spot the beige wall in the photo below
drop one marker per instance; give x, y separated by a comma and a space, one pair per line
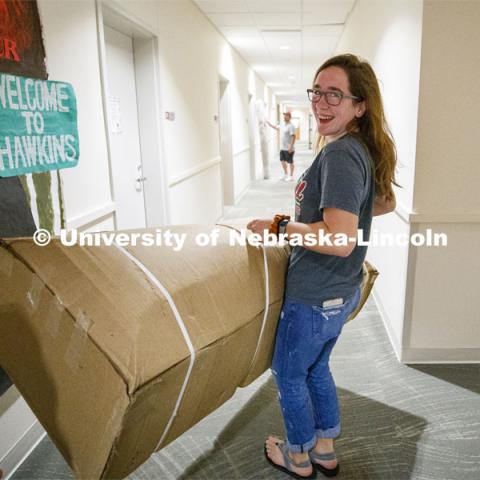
189, 79
448, 153
442, 319
388, 34
423, 54
446, 307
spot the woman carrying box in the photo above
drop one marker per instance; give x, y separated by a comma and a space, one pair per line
348, 182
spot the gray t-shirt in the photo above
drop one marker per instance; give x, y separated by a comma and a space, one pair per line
340, 177
286, 132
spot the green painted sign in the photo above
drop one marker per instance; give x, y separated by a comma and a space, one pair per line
38, 126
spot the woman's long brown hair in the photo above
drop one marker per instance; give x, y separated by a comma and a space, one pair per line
372, 128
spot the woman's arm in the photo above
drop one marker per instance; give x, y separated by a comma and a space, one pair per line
335, 222
381, 206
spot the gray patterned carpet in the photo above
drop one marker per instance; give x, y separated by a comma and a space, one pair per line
399, 422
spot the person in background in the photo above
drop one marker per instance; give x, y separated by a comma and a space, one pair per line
350, 180
287, 144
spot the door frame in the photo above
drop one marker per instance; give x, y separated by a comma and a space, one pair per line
252, 126
145, 52
225, 141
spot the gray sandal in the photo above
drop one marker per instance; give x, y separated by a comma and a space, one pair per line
289, 463
316, 457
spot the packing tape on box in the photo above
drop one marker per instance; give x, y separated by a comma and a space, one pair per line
55, 313
34, 293
78, 341
183, 329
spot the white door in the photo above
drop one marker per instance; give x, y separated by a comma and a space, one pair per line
125, 151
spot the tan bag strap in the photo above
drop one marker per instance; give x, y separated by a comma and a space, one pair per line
370, 274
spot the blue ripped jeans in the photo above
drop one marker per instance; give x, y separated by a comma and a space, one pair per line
306, 336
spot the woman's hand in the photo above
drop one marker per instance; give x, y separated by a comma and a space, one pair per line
259, 225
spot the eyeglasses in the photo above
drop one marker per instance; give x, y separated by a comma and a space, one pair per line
331, 97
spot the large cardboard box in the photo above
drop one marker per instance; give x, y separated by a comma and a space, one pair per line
118, 351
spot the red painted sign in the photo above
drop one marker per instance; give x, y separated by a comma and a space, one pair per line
8, 49
21, 45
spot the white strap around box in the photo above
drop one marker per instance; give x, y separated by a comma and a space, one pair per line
267, 296
184, 330
267, 306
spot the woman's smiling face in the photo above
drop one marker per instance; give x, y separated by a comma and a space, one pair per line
332, 120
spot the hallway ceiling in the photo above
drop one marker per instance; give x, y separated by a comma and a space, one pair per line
284, 41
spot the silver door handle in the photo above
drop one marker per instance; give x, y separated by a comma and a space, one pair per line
139, 183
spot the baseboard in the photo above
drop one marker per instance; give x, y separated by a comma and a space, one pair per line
22, 449
410, 356
386, 322
440, 355
242, 193
92, 216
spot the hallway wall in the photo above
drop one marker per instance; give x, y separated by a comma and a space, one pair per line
442, 319
189, 83
428, 296
388, 35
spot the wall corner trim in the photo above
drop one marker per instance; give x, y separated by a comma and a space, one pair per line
411, 216
241, 151
91, 216
394, 341
22, 449
191, 172
460, 217
441, 355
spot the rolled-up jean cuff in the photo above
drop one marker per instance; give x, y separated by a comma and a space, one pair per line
333, 432
302, 448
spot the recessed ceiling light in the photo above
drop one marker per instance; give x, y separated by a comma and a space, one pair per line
284, 47
281, 30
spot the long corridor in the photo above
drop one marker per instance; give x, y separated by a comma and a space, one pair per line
266, 198
399, 422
